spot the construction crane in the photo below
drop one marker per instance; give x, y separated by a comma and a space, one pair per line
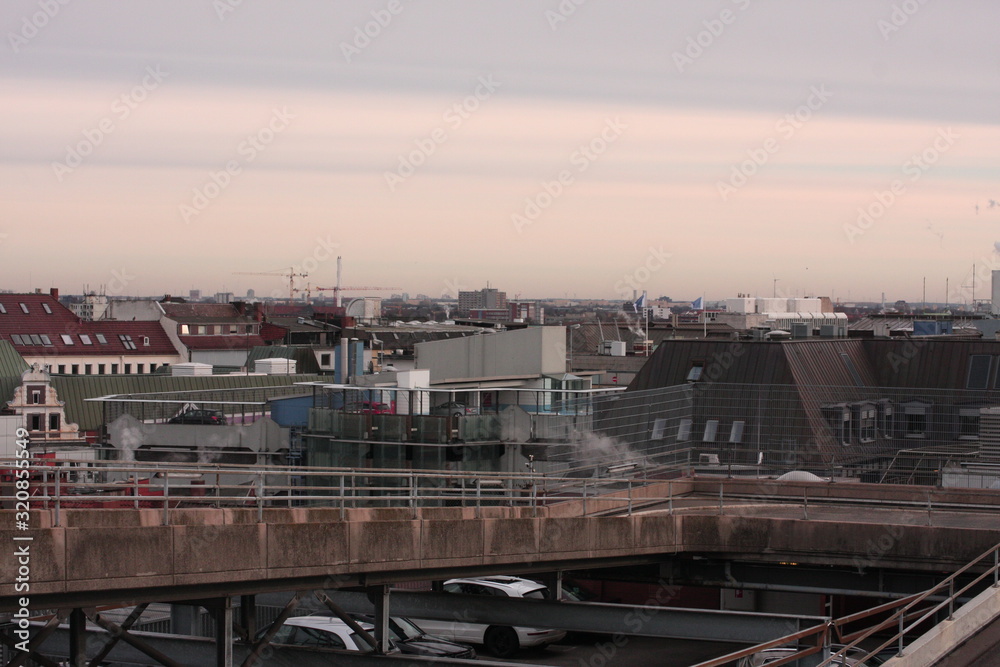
291, 277
338, 290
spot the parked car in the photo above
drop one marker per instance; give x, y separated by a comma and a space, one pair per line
853, 658
410, 638
455, 409
503, 641
200, 417
374, 408
326, 632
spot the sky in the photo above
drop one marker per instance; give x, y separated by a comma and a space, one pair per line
548, 148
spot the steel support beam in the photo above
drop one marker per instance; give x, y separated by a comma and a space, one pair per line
50, 627
77, 638
202, 651
380, 597
647, 621
224, 633
134, 641
112, 640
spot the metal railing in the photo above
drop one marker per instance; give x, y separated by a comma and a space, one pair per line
837, 645
167, 487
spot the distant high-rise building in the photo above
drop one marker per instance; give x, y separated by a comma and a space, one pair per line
251, 294
223, 297
486, 298
195, 295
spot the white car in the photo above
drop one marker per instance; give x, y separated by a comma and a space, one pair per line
327, 632
503, 641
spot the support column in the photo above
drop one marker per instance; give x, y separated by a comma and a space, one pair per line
248, 615
379, 596
224, 633
77, 638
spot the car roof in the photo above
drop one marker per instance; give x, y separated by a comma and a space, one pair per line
324, 623
515, 583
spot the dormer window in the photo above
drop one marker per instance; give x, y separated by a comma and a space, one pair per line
46, 308
24, 308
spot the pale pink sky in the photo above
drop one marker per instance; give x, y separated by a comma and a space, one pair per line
330, 131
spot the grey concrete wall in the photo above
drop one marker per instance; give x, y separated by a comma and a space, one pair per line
531, 351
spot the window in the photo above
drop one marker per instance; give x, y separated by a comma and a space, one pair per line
46, 308
46, 341
249, 329
968, 423
185, 330
324, 359
915, 419
35, 394
201, 329
3, 311
233, 329
85, 339
736, 433
101, 368
88, 369
684, 430
695, 373
24, 308
62, 369
114, 369
979, 371
659, 428
35, 422
838, 416
35, 339
17, 339
711, 428
126, 341
76, 369
101, 339
152, 368
866, 422
54, 421
66, 339
139, 368
145, 341
128, 369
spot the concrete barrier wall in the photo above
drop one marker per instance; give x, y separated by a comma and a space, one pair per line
128, 550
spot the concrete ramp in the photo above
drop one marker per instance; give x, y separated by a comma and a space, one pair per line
962, 641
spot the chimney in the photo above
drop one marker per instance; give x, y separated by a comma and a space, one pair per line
240, 306
258, 311
54, 292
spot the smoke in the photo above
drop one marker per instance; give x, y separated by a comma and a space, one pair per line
996, 246
601, 451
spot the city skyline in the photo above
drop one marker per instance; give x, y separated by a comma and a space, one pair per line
553, 149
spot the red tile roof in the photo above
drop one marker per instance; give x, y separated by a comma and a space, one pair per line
51, 329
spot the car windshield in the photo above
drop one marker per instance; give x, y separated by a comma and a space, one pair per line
538, 594
404, 630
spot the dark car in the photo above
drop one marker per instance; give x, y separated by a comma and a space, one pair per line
455, 409
200, 417
409, 638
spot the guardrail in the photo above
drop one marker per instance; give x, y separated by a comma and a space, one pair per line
139, 485
837, 646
